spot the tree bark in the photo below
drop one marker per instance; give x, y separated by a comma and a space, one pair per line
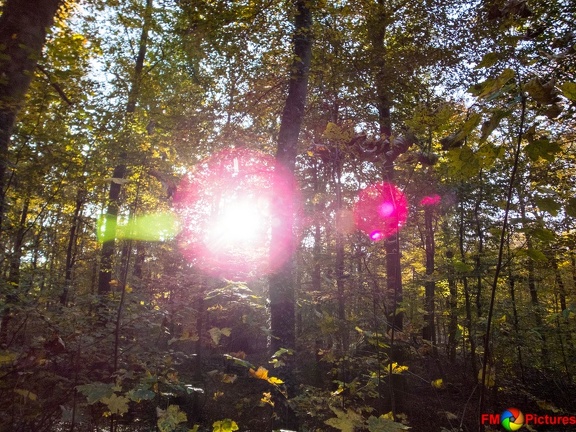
23, 30
281, 282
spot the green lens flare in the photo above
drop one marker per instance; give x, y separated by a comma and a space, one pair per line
151, 227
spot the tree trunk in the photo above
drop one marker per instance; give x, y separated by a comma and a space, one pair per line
377, 27
428, 332
23, 28
534, 300
70, 250
14, 274
470, 324
109, 245
281, 282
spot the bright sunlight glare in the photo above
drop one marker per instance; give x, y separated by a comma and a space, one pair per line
241, 223
226, 211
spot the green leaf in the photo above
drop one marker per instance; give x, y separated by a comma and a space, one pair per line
489, 126
225, 425
170, 418
381, 424
569, 90
488, 154
238, 361
345, 421
492, 85
536, 255
548, 204
488, 60
461, 267
570, 207
542, 148
283, 351
543, 234
116, 404
139, 394
96, 391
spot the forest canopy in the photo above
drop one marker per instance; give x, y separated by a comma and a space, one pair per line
300, 215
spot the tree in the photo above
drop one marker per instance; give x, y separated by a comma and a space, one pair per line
282, 290
22, 36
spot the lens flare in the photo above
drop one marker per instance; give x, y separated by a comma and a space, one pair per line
381, 210
226, 211
430, 200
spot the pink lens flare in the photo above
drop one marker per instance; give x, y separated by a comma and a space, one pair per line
381, 210
227, 211
430, 200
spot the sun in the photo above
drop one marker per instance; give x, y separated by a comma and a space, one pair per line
226, 212
241, 223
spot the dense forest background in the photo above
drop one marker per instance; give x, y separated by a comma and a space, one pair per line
122, 124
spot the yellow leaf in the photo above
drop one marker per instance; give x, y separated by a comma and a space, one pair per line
337, 392
439, 383
26, 394
226, 425
275, 381
267, 398
217, 395
395, 368
388, 416
261, 373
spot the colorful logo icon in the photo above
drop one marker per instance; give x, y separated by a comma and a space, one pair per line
512, 419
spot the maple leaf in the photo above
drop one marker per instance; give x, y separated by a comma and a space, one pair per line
226, 425
116, 404
345, 421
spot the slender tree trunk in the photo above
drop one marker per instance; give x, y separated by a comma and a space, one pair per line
467, 297
109, 245
281, 282
14, 274
70, 250
339, 264
428, 332
480, 251
22, 35
536, 310
561, 324
453, 322
317, 248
